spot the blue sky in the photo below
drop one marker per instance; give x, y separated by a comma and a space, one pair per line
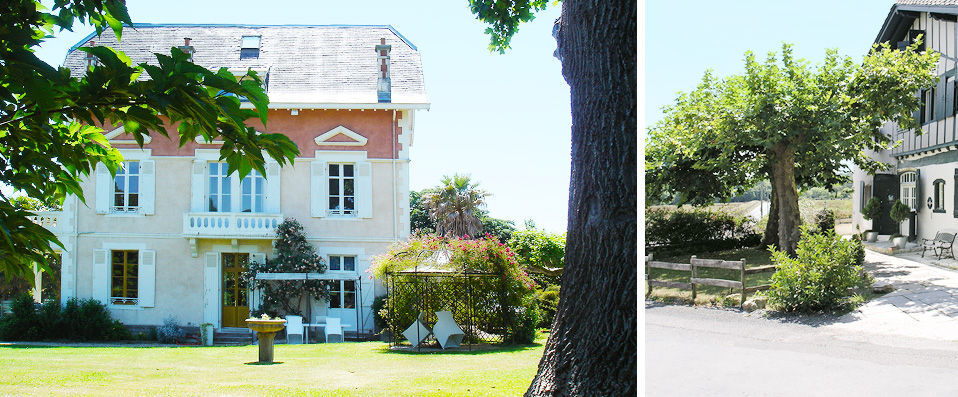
503, 119
685, 38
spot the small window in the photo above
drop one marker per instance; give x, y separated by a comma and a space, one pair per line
341, 262
927, 106
908, 184
939, 201
126, 188
123, 277
250, 47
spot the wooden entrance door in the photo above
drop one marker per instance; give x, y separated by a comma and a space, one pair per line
235, 290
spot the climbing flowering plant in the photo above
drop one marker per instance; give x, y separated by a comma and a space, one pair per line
493, 295
292, 254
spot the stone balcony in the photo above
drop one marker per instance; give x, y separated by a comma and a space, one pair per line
53, 221
230, 225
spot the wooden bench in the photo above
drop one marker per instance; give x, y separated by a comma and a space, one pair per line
943, 241
694, 280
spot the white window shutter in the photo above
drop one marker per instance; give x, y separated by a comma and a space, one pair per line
101, 275
104, 189
147, 187
257, 258
211, 274
198, 189
146, 278
364, 189
273, 188
319, 185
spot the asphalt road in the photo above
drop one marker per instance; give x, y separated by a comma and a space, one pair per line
714, 352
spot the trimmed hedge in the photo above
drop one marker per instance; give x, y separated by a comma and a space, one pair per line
676, 231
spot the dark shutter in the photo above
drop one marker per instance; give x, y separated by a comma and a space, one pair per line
919, 198
922, 110
950, 98
861, 197
956, 194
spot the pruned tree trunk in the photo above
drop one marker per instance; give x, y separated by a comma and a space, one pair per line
786, 193
592, 349
771, 226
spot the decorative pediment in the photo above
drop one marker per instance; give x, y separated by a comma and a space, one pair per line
116, 132
340, 136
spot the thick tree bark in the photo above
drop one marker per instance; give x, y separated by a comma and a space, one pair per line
592, 349
771, 226
783, 177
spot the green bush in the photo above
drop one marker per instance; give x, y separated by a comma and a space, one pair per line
825, 220
527, 324
872, 209
825, 269
379, 315
80, 320
699, 230
548, 301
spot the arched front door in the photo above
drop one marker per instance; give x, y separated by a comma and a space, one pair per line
235, 289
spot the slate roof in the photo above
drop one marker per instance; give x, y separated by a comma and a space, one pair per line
326, 64
928, 2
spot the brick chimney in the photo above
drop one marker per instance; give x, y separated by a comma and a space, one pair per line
90, 58
383, 86
187, 48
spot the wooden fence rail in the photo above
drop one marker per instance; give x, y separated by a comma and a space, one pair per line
694, 280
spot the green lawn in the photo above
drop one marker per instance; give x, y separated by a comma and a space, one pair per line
346, 369
708, 294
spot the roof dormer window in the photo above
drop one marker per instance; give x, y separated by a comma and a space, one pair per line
250, 47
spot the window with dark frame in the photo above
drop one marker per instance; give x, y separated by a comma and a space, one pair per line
939, 200
343, 295
123, 277
342, 194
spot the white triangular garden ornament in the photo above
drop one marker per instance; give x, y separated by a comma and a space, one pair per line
354, 138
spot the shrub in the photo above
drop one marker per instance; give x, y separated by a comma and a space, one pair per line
899, 212
700, 230
548, 301
872, 209
825, 220
23, 322
825, 268
528, 321
170, 331
81, 320
379, 315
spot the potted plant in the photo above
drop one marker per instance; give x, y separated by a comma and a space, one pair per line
899, 213
871, 211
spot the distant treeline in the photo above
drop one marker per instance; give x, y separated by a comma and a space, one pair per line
763, 189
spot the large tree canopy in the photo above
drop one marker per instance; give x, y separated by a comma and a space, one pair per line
787, 121
49, 119
592, 347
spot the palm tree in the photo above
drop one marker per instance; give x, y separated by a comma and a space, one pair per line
454, 206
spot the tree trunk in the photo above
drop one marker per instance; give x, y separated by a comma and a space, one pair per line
783, 178
592, 348
771, 226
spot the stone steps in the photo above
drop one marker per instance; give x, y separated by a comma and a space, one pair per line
232, 336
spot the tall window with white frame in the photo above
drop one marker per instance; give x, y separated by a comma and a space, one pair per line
342, 263
220, 185
908, 184
123, 277
343, 295
126, 188
253, 192
342, 194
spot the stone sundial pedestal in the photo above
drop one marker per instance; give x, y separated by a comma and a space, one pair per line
266, 330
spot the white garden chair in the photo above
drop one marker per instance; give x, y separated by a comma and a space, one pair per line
334, 330
294, 329
417, 332
446, 330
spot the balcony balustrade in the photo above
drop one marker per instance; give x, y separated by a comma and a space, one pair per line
51, 220
230, 224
